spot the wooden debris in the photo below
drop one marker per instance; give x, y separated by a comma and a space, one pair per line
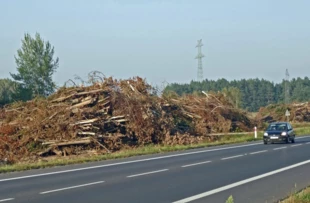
76, 142
87, 121
61, 99
84, 103
112, 115
86, 133
90, 92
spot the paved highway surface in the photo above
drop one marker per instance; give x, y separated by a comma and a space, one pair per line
251, 172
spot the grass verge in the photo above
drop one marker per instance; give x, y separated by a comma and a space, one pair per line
298, 197
145, 150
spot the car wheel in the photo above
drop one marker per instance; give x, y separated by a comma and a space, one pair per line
293, 140
288, 140
265, 142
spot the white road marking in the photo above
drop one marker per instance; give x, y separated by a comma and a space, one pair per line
231, 157
296, 145
5, 200
298, 138
127, 162
142, 174
211, 192
205, 162
68, 188
134, 161
279, 148
259, 152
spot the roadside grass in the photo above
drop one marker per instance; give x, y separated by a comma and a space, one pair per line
230, 199
301, 124
144, 150
298, 197
302, 131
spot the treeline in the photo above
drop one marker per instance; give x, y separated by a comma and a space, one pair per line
35, 66
249, 94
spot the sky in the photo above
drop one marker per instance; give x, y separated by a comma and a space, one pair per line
156, 39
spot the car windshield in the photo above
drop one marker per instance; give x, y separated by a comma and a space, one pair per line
277, 127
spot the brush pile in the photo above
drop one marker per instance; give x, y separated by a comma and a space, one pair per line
110, 115
299, 112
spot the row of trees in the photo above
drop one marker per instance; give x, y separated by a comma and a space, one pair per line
35, 67
249, 94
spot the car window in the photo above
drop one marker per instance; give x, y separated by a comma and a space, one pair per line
277, 127
290, 127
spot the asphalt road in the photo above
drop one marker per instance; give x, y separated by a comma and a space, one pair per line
250, 172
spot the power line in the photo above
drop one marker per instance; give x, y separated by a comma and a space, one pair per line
199, 57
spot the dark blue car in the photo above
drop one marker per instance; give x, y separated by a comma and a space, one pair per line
279, 132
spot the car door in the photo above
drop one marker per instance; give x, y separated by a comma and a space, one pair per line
290, 130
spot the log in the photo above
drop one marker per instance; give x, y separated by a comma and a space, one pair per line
116, 117
103, 100
86, 133
61, 99
76, 142
49, 142
191, 115
58, 105
9, 110
104, 111
121, 120
90, 92
117, 121
86, 121
81, 104
45, 151
52, 116
300, 104
133, 89
104, 104
85, 127
102, 145
86, 98
205, 93
112, 137
89, 128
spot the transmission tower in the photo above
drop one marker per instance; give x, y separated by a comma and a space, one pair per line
287, 88
199, 57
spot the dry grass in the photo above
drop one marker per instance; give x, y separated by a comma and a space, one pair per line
299, 197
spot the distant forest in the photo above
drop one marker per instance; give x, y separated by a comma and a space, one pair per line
252, 93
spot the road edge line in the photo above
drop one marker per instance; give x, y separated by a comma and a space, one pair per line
211, 192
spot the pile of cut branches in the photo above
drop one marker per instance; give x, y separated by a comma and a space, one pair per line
109, 115
299, 112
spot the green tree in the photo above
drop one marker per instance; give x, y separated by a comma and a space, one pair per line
35, 65
233, 95
255, 93
7, 91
